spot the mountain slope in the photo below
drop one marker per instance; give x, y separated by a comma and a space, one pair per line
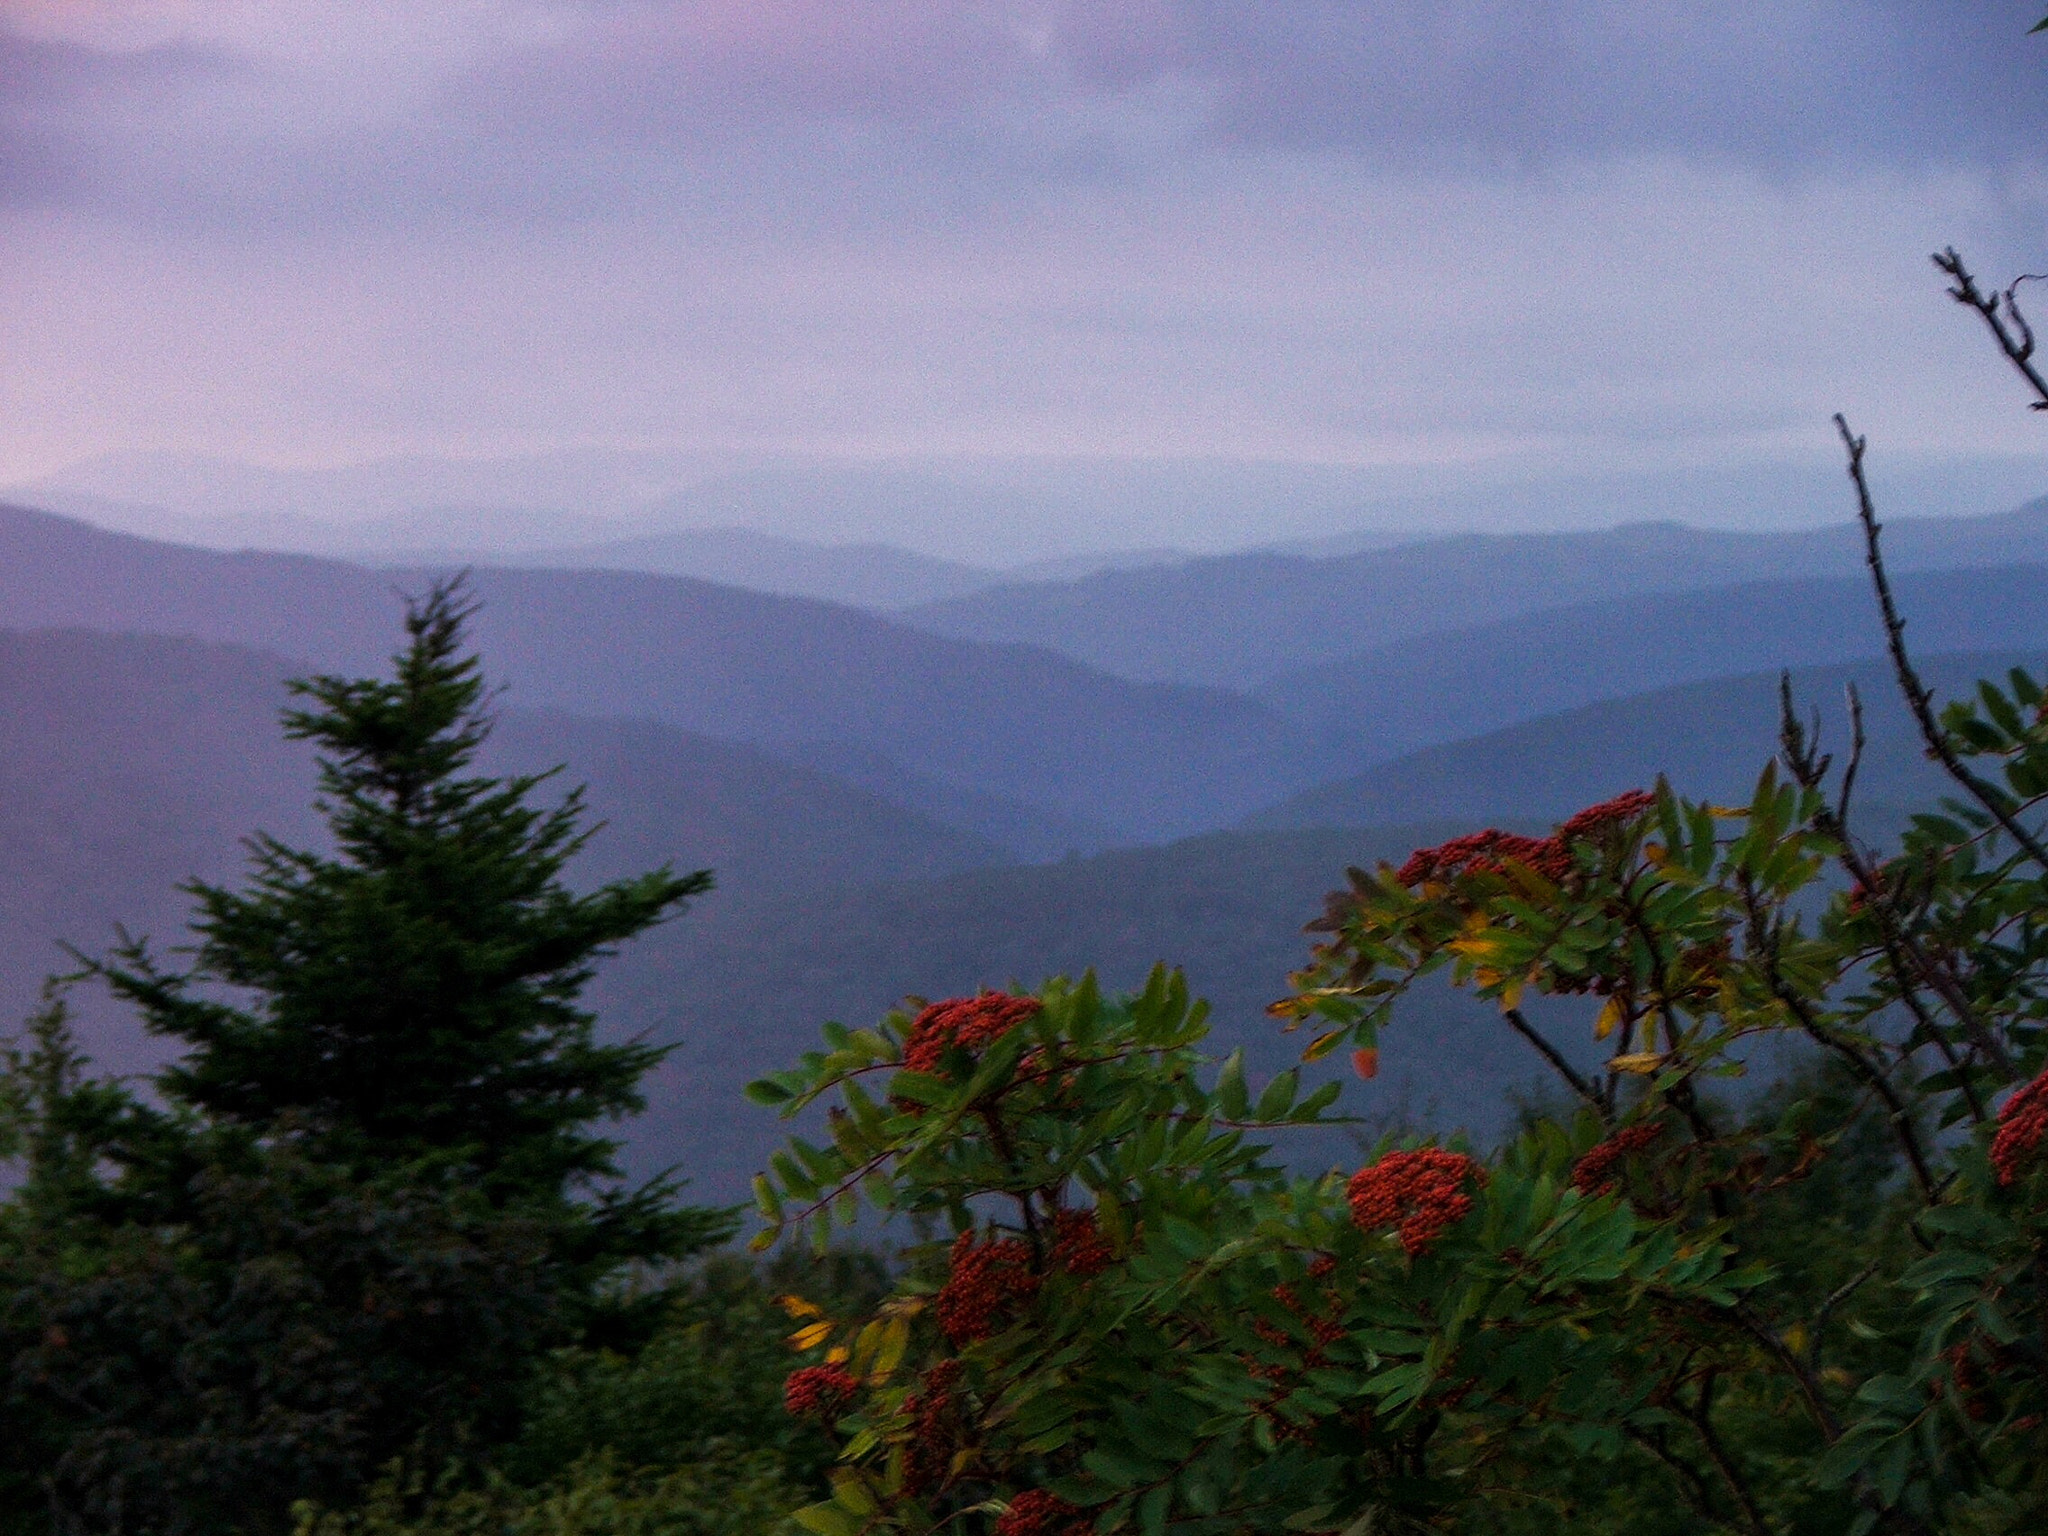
1008, 721
129, 764
1711, 737
862, 575
1235, 620
1395, 698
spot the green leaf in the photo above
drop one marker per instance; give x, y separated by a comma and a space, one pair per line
1231, 1095
828, 1520
1278, 1097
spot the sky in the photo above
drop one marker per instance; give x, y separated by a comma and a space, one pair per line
1418, 246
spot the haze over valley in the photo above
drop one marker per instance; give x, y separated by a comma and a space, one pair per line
895, 805
1010, 487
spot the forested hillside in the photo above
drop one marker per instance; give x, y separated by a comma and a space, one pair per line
1009, 722
1240, 619
1460, 682
130, 764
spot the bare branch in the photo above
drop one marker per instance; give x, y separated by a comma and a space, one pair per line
2015, 340
1919, 697
1799, 750
1564, 1069
1763, 944
1857, 741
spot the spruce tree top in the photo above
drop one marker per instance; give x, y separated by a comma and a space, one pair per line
410, 999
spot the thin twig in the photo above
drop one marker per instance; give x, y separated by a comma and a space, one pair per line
1857, 741
1763, 944
1919, 697
1836, 1297
2017, 344
1690, 1479
1799, 749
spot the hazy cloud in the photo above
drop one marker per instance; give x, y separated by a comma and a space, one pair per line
1566, 233
567, 110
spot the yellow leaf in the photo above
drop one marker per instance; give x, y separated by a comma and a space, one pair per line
1479, 947
1511, 994
1611, 1015
838, 1354
811, 1337
796, 1306
1642, 1063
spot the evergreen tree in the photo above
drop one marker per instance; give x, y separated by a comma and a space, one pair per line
411, 997
370, 1196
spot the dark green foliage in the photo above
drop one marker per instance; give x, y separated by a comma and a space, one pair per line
712, 1375
411, 997
686, 1437
368, 1200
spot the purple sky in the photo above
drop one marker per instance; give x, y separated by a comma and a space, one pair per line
1564, 236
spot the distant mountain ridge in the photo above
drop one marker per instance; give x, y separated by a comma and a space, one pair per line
1003, 721
1394, 698
132, 763
1711, 737
1241, 620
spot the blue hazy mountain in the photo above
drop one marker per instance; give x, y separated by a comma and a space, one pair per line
1394, 698
1711, 737
1239, 620
132, 763
1004, 722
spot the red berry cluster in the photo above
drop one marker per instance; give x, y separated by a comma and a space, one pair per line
964, 1022
1551, 857
1483, 853
2022, 1125
818, 1392
1078, 1246
1594, 1173
1034, 1512
1420, 1193
984, 1283
928, 1458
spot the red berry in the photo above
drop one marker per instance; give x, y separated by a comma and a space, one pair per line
1078, 1245
1034, 1512
1419, 1193
1593, 1174
985, 1283
2022, 1126
966, 1023
818, 1391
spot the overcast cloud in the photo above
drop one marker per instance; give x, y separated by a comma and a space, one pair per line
1563, 236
